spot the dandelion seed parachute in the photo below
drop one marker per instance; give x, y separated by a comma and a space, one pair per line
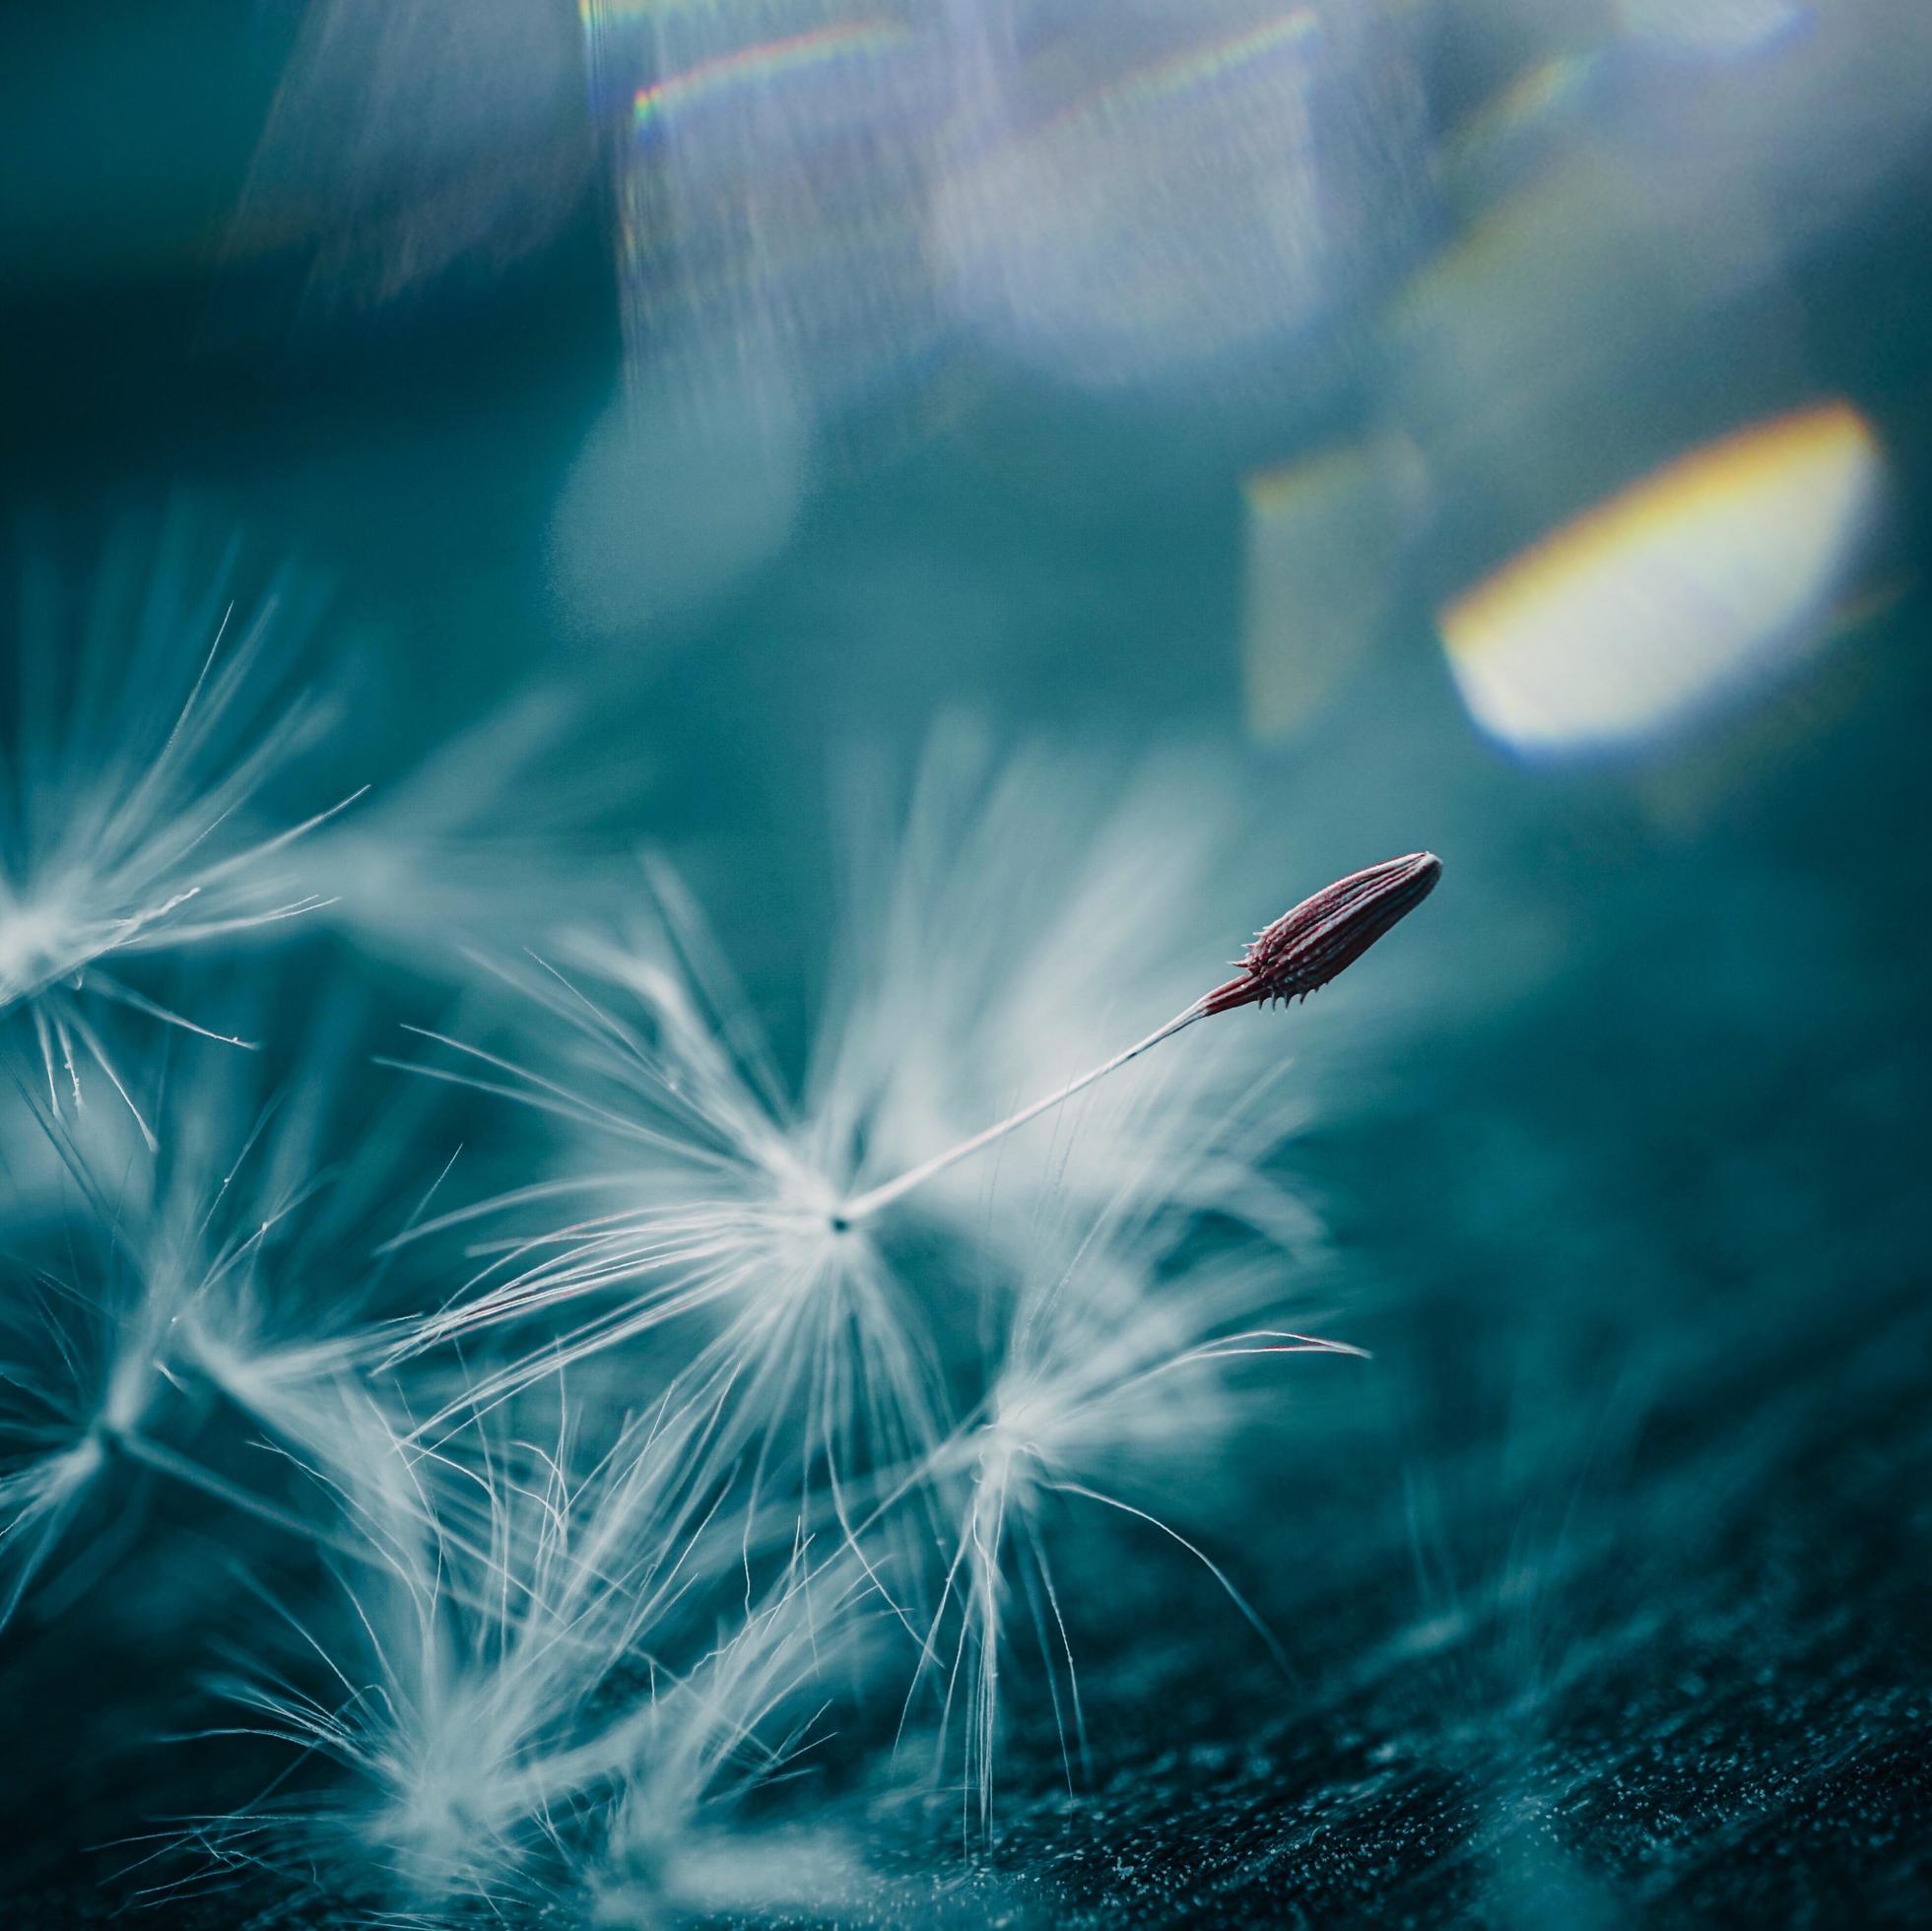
725, 1196
729, 1204
1108, 1388
139, 754
95, 1395
74, 1384
193, 1317
499, 1717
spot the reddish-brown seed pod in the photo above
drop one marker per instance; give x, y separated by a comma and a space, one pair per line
1305, 948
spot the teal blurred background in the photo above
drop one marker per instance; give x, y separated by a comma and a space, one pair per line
1152, 377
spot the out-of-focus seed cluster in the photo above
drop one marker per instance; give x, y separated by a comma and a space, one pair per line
585, 1468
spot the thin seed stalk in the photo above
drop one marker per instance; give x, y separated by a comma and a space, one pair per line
864, 1206
1298, 954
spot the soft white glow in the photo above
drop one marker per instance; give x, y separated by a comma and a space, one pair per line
1712, 574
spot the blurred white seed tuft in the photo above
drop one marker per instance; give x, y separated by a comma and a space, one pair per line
142, 745
1109, 1389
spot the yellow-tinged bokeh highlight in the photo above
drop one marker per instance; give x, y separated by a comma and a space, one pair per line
1710, 576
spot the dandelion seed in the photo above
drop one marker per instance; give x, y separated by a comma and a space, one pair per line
969, 935
1324, 934
715, 1194
1298, 954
